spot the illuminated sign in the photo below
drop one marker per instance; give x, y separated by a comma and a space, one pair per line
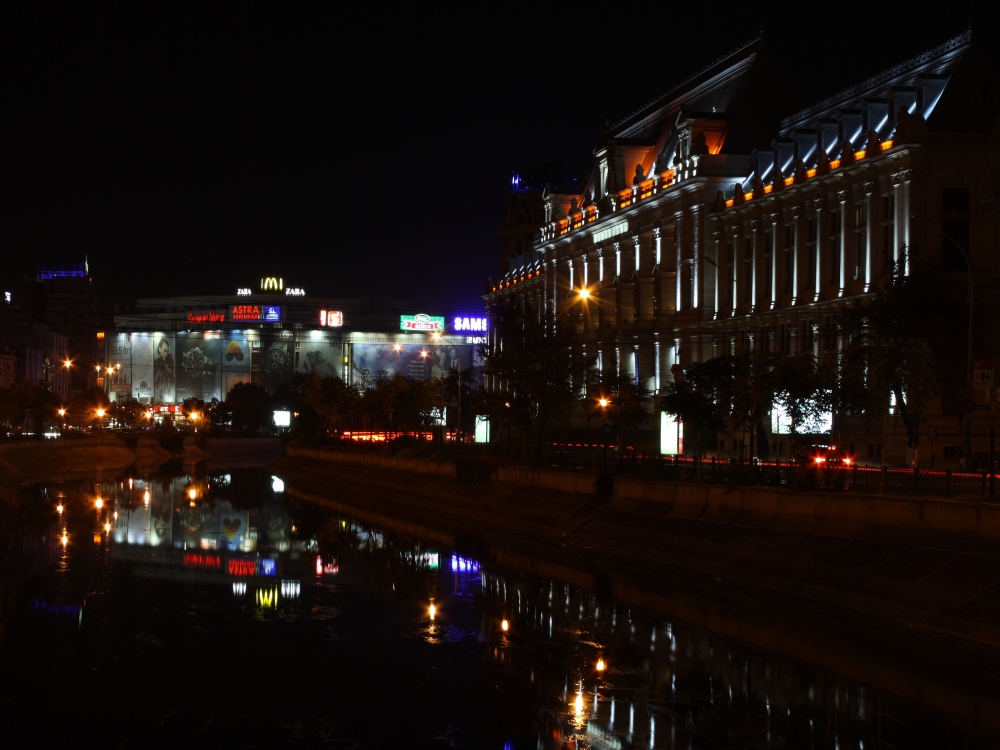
268, 566
241, 567
470, 324
170, 408
272, 284
331, 318
421, 323
243, 291
6, 297
197, 560
255, 313
206, 317
294, 291
282, 418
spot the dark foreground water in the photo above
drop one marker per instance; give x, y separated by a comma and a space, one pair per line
215, 611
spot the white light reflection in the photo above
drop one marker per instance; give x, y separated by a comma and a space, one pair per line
631, 718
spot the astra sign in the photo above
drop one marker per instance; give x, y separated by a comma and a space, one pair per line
428, 323
470, 324
255, 313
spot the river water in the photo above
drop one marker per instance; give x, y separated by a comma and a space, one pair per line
218, 611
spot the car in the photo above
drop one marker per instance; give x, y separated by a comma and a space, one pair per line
980, 462
823, 455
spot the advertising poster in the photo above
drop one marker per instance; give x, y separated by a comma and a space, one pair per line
199, 366
418, 361
274, 360
164, 350
319, 356
142, 366
118, 372
236, 354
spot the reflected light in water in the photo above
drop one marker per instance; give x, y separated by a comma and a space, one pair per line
99, 503
505, 626
433, 611
578, 704
65, 539
192, 493
59, 508
145, 497
600, 665
107, 528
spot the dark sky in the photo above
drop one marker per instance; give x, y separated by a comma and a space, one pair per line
360, 152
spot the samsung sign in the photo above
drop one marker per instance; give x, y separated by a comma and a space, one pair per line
464, 324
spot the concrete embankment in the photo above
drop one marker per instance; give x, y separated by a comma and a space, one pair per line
785, 571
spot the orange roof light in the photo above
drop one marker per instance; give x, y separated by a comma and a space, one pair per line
835, 164
859, 155
885, 145
789, 181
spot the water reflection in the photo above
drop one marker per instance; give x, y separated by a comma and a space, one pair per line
229, 564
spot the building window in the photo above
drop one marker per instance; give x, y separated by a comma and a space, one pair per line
888, 231
811, 251
836, 221
860, 239
789, 257
954, 228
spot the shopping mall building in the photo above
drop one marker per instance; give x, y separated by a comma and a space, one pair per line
169, 349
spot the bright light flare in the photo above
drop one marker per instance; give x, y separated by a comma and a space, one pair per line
107, 528
62, 412
578, 704
100, 412
433, 611
604, 403
584, 293
65, 540
98, 503
59, 508
145, 497
600, 665
67, 363
192, 493
505, 626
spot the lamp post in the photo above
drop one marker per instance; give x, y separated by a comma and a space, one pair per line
970, 288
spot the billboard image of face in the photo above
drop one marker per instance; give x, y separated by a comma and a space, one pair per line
198, 367
164, 370
142, 366
318, 356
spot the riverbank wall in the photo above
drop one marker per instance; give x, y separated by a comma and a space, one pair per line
926, 563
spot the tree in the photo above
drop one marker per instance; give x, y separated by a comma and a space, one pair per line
250, 406
902, 347
803, 389
694, 398
537, 375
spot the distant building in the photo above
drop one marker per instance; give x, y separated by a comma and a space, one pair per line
31, 352
713, 220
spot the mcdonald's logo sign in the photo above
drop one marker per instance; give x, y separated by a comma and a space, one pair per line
272, 284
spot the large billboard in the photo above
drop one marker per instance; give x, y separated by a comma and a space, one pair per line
317, 355
199, 365
419, 361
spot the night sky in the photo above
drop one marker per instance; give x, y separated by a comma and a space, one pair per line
363, 152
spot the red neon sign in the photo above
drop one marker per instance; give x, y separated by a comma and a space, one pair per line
196, 560
242, 567
331, 318
246, 312
208, 317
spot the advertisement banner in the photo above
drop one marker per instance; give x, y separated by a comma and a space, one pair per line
236, 349
318, 356
164, 368
199, 367
419, 361
118, 372
142, 366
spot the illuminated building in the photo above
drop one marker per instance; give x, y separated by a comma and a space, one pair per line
716, 220
169, 349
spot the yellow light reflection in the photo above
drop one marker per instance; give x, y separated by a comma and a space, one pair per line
578, 704
59, 508
99, 503
145, 497
584, 293
107, 528
65, 540
433, 611
505, 626
192, 493
600, 665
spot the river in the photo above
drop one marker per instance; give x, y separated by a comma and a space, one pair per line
215, 610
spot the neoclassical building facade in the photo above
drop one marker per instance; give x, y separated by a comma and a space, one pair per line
713, 221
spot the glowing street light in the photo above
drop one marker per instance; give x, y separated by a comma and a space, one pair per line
192, 493
100, 413
98, 503
67, 363
604, 403
584, 293
600, 665
61, 412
